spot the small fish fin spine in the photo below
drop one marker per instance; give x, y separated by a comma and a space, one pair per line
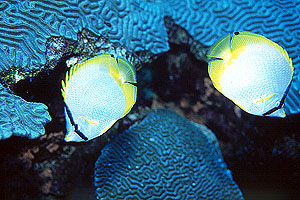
221, 48
127, 71
68, 137
112, 66
128, 75
69, 76
68, 79
63, 89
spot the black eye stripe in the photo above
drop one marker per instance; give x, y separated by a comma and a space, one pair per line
74, 125
281, 102
271, 111
134, 84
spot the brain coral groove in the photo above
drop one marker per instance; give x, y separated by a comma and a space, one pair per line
21, 118
164, 157
26, 25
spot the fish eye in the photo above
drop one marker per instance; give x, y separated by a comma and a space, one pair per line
236, 33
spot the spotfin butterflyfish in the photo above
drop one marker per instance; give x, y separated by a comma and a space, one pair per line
252, 71
97, 93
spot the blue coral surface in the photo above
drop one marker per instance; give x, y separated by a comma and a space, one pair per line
138, 24
21, 118
164, 157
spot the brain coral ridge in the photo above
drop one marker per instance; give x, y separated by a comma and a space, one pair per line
21, 118
164, 157
26, 25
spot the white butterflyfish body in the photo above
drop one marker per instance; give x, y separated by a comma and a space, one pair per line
97, 93
252, 71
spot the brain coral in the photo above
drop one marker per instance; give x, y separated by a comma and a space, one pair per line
164, 157
138, 25
26, 25
275, 19
21, 118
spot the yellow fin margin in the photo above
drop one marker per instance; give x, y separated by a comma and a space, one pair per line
127, 71
106, 59
220, 48
108, 127
124, 74
215, 71
128, 75
130, 93
219, 53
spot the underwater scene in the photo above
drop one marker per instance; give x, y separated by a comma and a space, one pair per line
150, 99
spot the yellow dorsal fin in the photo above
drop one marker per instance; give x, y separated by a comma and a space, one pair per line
106, 59
221, 48
130, 93
124, 74
112, 66
128, 76
126, 70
